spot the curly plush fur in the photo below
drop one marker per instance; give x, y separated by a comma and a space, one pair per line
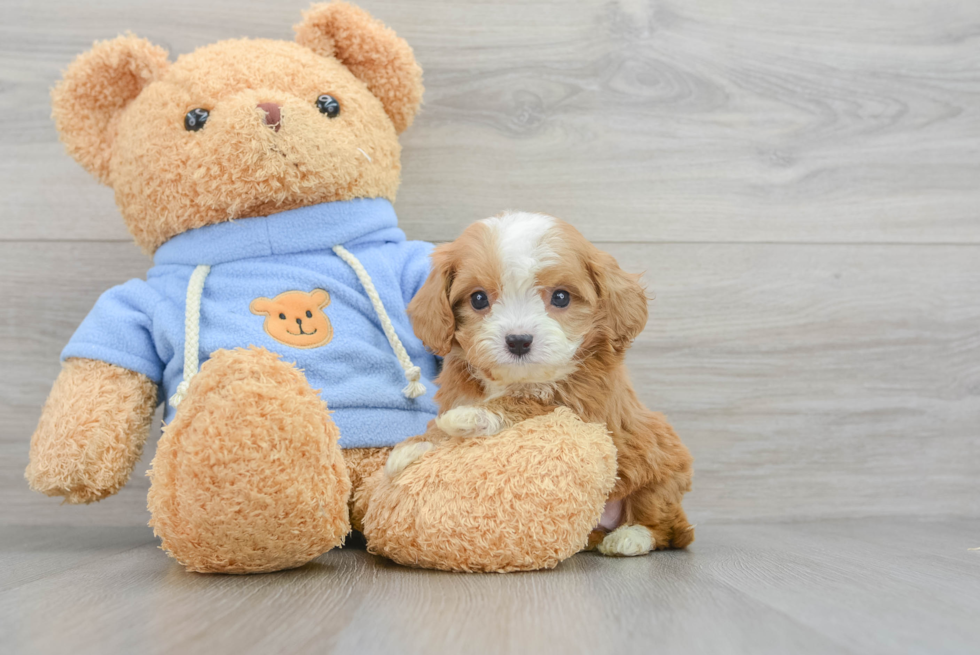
362, 464
541, 489
248, 476
91, 432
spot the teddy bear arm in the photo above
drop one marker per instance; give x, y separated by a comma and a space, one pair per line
91, 432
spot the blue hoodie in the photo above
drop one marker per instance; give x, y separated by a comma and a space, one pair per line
139, 325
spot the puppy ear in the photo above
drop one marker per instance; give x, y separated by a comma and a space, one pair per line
261, 306
320, 297
371, 51
622, 298
432, 315
94, 91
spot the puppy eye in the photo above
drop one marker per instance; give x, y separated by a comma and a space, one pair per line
479, 301
309, 314
561, 298
195, 119
328, 105
282, 316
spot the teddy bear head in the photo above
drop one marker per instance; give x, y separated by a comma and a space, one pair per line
245, 127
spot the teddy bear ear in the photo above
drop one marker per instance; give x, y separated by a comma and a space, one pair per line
94, 91
372, 52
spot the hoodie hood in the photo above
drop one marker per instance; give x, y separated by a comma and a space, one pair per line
307, 229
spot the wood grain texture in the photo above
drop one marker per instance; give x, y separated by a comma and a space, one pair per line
666, 120
808, 380
875, 586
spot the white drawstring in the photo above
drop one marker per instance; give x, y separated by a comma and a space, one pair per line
414, 389
192, 331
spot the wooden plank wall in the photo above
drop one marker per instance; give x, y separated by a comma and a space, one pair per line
800, 182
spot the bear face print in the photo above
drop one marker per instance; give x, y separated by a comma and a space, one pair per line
296, 318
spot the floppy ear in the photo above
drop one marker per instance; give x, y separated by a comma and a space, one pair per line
94, 91
622, 297
320, 297
430, 311
371, 51
261, 306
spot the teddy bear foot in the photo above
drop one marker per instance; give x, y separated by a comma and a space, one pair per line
524, 499
248, 477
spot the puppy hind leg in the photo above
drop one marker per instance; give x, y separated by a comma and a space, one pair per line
658, 507
628, 541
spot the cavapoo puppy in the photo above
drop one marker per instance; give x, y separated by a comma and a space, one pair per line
530, 316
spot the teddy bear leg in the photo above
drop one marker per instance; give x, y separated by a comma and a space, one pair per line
362, 464
248, 477
524, 499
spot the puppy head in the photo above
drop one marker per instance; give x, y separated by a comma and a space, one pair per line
525, 298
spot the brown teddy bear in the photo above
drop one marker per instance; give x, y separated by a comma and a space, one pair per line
260, 174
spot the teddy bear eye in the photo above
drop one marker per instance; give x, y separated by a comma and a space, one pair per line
328, 105
282, 316
195, 119
309, 314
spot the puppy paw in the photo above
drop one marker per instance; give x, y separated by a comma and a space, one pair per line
404, 455
627, 541
470, 422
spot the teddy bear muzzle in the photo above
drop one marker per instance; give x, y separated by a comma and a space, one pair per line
272, 115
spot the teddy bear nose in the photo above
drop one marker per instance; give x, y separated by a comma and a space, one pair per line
272, 114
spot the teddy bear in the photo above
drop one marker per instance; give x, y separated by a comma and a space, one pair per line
260, 176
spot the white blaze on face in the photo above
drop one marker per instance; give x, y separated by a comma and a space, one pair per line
524, 247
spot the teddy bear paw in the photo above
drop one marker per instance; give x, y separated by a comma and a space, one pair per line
404, 455
248, 476
470, 422
627, 541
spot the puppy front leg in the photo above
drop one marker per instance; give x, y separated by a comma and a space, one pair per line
408, 451
471, 421
465, 421
489, 418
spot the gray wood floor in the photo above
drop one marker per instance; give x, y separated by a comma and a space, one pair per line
837, 586
799, 182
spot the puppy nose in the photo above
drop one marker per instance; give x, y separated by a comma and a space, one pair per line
519, 344
272, 114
